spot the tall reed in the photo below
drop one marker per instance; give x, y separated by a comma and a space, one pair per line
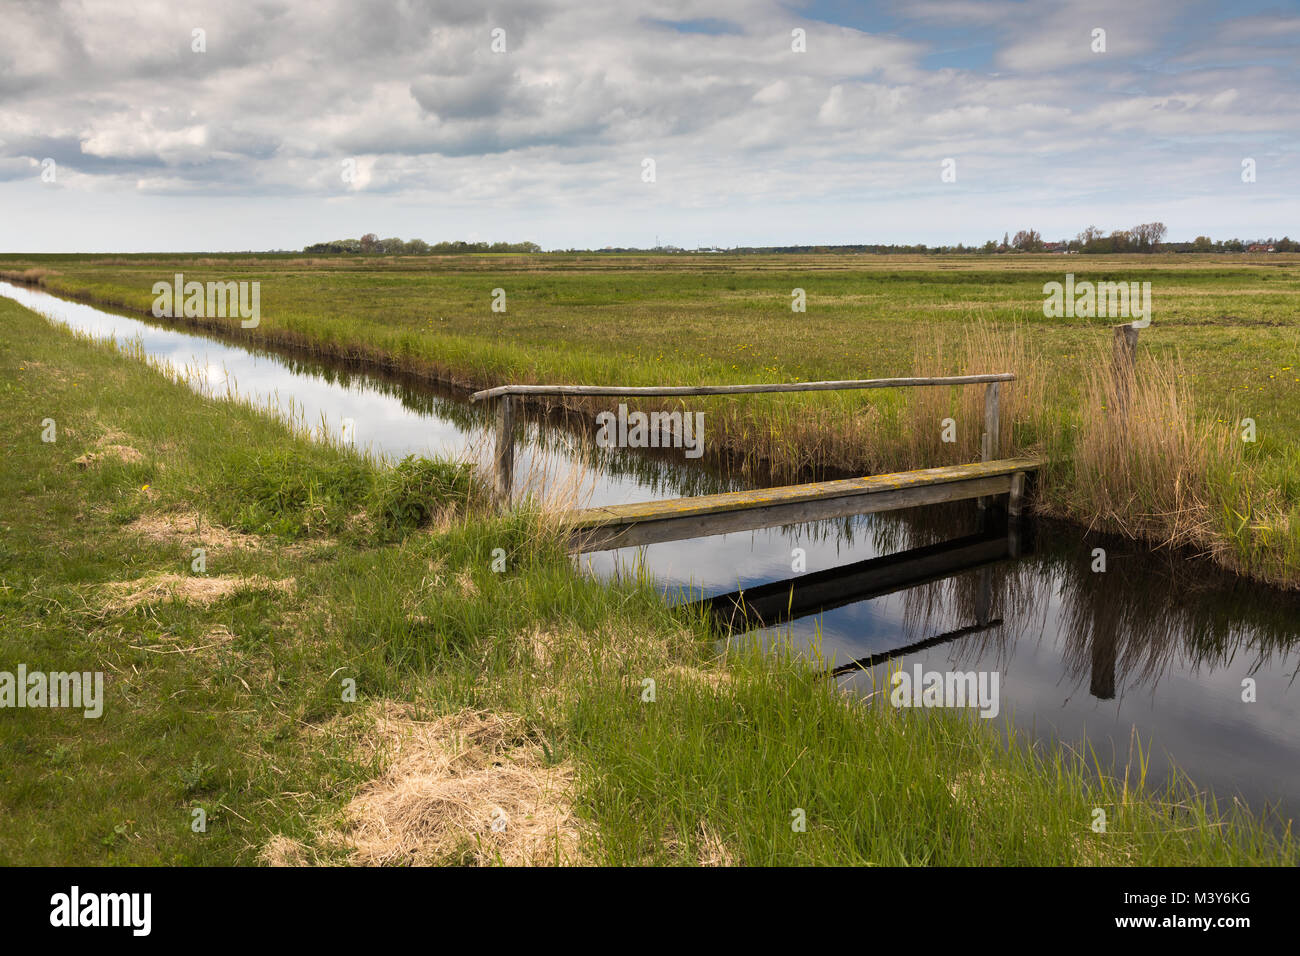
1150, 467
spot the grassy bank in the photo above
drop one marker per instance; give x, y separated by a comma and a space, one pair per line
1224, 346
516, 695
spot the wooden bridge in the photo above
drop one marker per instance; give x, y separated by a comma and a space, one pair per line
652, 522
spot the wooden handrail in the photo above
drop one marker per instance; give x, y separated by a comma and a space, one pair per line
504, 463
501, 390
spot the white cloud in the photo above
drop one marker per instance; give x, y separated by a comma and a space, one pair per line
738, 122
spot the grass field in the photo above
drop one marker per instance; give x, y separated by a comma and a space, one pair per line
515, 698
1224, 346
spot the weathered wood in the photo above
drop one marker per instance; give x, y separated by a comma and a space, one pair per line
992, 443
505, 451
1124, 354
599, 528
989, 441
638, 534
1015, 500
736, 389
759, 497
652, 522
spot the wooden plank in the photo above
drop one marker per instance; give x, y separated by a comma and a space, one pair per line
737, 389
626, 534
788, 494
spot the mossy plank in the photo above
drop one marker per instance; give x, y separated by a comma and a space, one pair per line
700, 505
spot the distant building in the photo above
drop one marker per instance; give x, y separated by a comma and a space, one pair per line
1260, 247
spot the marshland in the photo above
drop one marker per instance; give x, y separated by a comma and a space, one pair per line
378, 560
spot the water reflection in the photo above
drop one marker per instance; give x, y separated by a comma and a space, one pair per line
781, 602
1156, 642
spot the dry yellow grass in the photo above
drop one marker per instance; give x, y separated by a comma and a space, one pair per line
191, 526
122, 453
468, 787
282, 851
710, 848
1147, 469
982, 349
191, 589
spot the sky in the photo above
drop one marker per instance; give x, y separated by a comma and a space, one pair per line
159, 125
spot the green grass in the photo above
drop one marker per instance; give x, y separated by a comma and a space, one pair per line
236, 706
642, 320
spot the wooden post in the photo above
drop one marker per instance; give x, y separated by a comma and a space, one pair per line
992, 422
505, 451
1015, 500
1124, 353
989, 441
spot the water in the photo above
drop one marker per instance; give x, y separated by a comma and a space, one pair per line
1157, 645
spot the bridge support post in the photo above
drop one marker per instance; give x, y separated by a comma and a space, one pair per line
990, 442
1015, 500
504, 453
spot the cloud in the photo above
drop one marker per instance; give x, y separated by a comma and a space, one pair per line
287, 92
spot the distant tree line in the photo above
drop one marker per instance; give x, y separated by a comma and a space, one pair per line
1146, 237
1143, 238
370, 244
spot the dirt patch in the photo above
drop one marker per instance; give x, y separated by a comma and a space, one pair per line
467, 788
124, 454
192, 589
